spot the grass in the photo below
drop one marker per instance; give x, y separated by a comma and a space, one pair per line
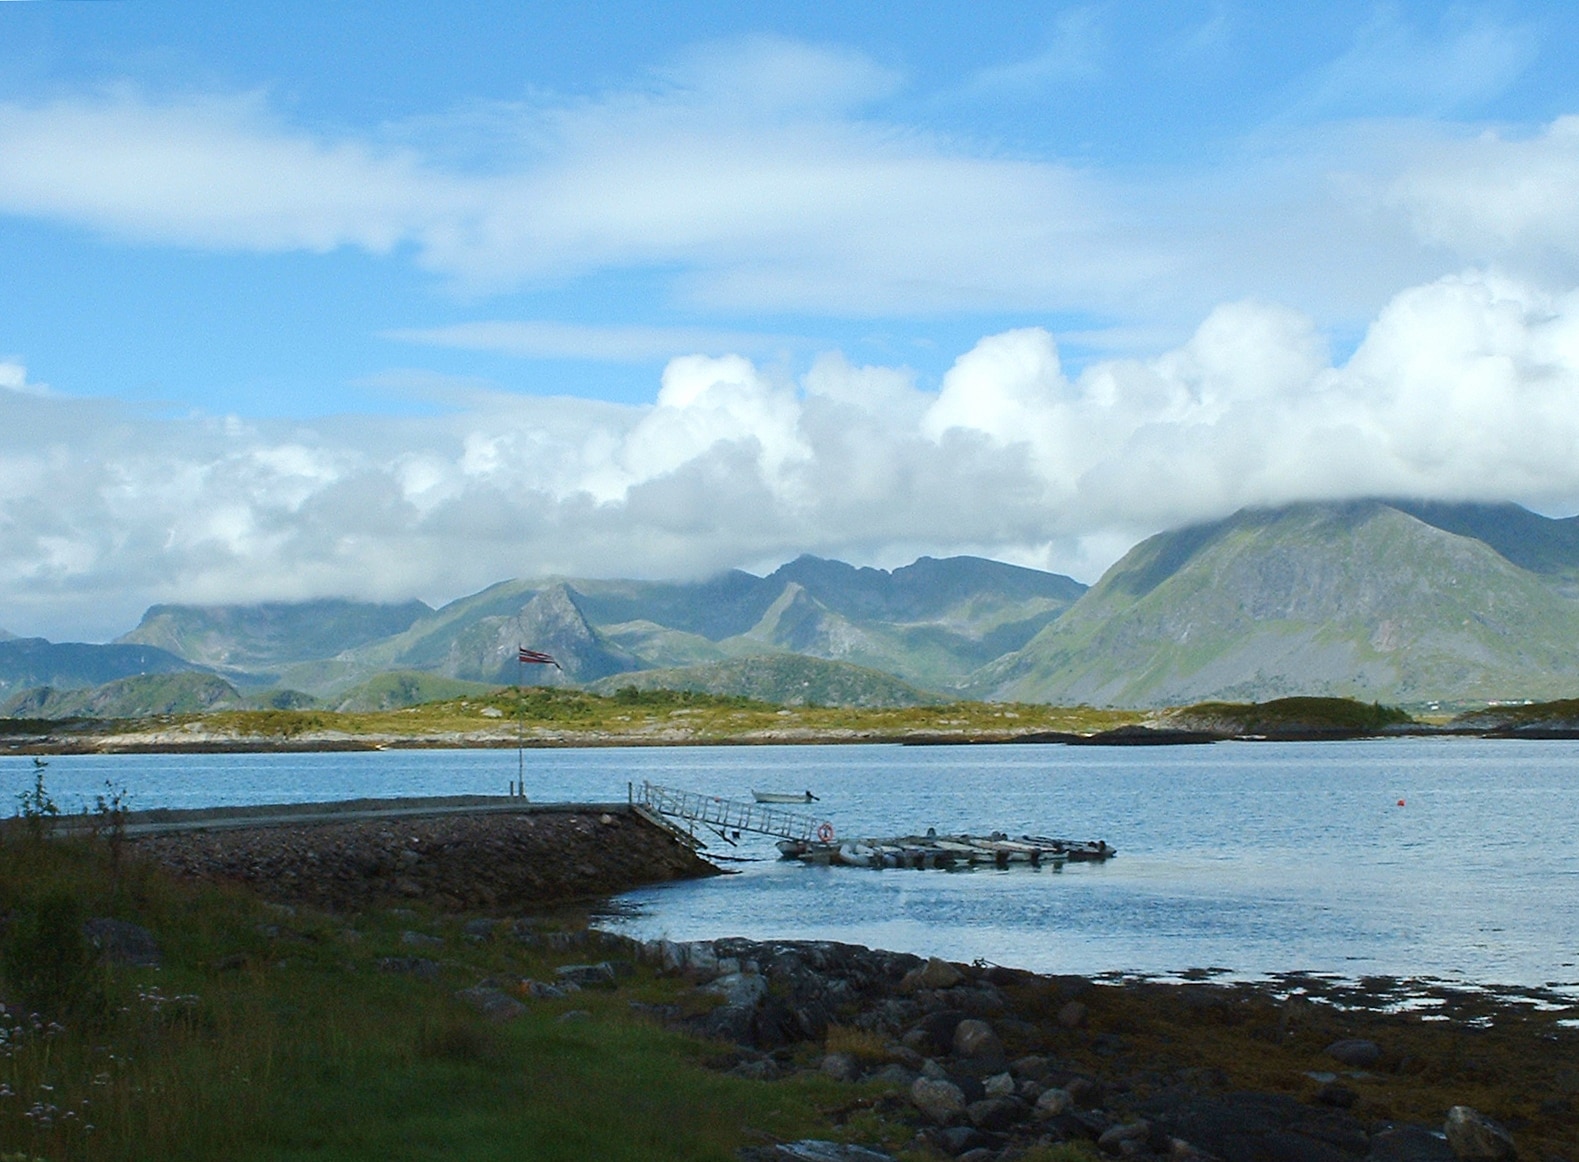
1298, 715
569, 716
270, 1033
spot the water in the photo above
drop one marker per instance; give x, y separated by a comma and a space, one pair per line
1256, 858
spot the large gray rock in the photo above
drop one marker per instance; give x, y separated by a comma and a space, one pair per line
994, 1113
740, 990
975, 1039
600, 975
1474, 1137
841, 1067
493, 1003
940, 1101
1113, 1138
934, 974
1053, 1103
999, 1085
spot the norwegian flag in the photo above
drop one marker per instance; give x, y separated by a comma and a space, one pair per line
537, 658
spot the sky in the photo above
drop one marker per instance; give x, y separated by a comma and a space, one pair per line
397, 300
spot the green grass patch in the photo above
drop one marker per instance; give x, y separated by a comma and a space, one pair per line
549, 713
272, 1033
1297, 715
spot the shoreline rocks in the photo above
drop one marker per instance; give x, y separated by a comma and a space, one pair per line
455, 862
990, 1062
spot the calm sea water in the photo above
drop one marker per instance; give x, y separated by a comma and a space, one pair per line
1252, 857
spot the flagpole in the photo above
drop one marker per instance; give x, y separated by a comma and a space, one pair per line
520, 728
523, 657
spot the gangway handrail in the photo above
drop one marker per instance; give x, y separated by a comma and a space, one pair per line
733, 814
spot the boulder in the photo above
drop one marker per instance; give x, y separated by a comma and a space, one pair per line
1409, 1144
934, 974
1355, 1052
994, 1113
1034, 1067
120, 942
479, 930
1113, 1138
841, 1067
1053, 1103
999, 1085
974, 1038
935, 1032
600, 975
740, 990
1473, 1137
494, 1004
960, 1140
1072, 1015
893, 1074
939, 1101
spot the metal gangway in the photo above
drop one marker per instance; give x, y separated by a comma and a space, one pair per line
731, 816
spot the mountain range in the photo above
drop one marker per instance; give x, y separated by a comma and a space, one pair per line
1392, 601
1396, 601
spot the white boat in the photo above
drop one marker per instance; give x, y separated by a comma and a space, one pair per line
783, 796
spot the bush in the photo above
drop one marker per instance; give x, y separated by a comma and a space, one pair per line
48, 964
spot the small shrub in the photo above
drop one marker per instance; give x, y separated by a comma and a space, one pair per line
37, 807
861, 1044
47, 960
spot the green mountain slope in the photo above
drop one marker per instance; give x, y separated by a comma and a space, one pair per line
136, 697
931, 623
260, 636
31, 662
786, 679
1360, 600
402, 688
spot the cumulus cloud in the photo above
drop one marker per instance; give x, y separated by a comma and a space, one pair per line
1466, 387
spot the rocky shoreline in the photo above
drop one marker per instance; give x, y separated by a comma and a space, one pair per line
528, 859
987, 1063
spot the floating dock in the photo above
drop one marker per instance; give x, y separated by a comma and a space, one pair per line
814, 840
947, 851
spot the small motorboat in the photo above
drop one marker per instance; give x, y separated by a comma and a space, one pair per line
783, 796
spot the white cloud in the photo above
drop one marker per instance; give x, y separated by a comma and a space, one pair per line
13, 377
1466, 387
1510, 198
1393, 67
754, 176
615, 344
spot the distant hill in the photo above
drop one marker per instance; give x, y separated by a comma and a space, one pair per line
786, 679
31, 662
1367, 599
403, 688
137, 697
249, 637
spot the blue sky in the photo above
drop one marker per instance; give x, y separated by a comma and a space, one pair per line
409, 298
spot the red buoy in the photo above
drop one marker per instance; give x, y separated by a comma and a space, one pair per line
1400, 802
